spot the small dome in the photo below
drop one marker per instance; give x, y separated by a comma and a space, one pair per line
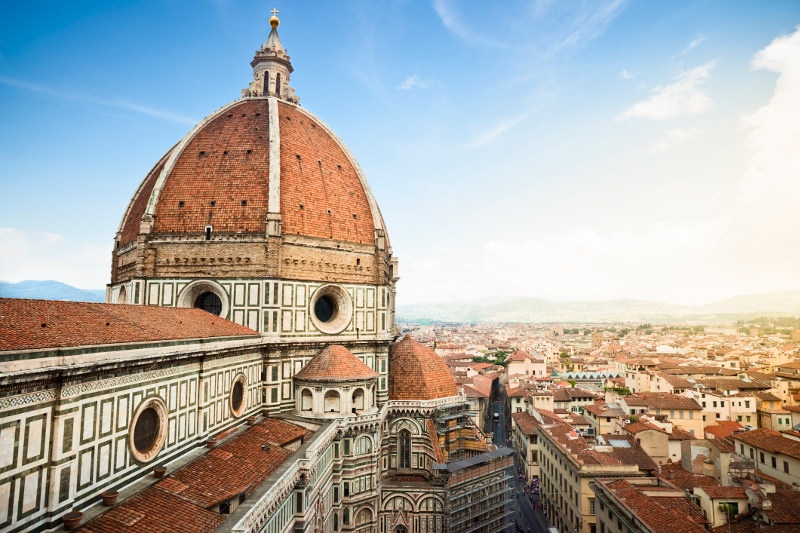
335, 363
417, 373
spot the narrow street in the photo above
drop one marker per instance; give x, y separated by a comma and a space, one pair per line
526, 518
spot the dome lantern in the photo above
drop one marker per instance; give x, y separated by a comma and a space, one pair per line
272, 68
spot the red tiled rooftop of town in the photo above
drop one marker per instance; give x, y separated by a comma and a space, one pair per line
769, 440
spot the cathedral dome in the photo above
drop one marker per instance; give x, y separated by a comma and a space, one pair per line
335, 363
255, 159
417, 373
261, 215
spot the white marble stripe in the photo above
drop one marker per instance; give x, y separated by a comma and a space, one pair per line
274, 202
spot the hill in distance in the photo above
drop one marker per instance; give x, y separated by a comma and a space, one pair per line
536, 310
50, 290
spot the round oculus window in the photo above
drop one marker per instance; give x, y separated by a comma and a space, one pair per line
325, 308
148, 430
331, 309
209, 302
237, 400
206, 295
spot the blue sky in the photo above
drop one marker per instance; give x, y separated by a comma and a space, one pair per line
566, 150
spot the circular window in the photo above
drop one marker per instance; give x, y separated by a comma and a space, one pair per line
148, 429
238, 389
325, 308
209, 302
206, 295
331, 309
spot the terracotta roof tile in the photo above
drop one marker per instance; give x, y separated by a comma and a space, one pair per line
658, 508
417, 373
180, 502
227, 162
154, 510
335, 362
769, 440
664, 400
40, 324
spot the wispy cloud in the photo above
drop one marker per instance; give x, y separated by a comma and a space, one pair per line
489, 134
451, 20
589, 22
683, 97
625, 74
124, 105
412, 82
694, 43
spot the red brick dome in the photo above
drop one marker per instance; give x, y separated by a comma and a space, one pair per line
335, 363
253, 157
417, 373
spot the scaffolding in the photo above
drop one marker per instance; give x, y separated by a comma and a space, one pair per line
479, 489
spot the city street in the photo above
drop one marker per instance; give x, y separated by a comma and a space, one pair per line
525, 517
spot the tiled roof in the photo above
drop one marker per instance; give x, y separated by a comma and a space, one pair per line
725, 492
766, 397
664, 400
680, 477
527, 423
333, 363
180, 501
637, 427
679, 434
245, 463
723, 428
769, 440
417, 373
522, 356
600, 408
660, 509
482, 385
723, 384
154, 511
632, 454
41, 324
226, 161
579, 448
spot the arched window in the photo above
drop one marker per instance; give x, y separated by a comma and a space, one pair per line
404, 449
265, 92
358, 399
307, 400
278, 84
364, 516
363, 445
332, 402
123, 296
401, 529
